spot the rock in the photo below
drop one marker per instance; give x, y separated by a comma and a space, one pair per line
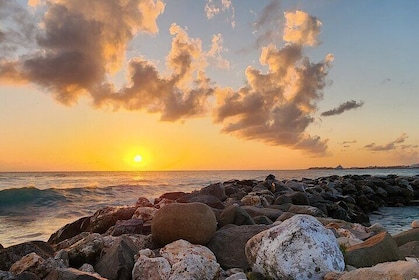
163, 202
87, 268
145, 213
104, 218
299, 248
237, 276
31, 262
132, 226
406, 236
142, 241
117, 263
415, 224
194, 222
297, 198
147, 268
26, 275
69, 230
271, 213
308, 210
143, 202
389, 271
6, 275
377, 249
68, 242
229, 244
62, 257
71, 274
216, 190
262, 220
207, 199
410, 249
190, 261
251, 200
85, 250
236, 215
12, 254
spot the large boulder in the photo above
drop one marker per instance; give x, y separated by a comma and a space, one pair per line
194, 222
118, 261
229, 244
190, 261
104, 218
70, 230
12, 254
389, 271
377, 249
299, 248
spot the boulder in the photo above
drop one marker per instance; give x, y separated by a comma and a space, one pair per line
377, 249
410, 249
299, 248
194, 222
31, 262
70, 230
86, 250
68, 242
190, 261
71, 274
104, 218
216, 190
12, 254
236, 215
132, 226
145, 213
229, 244
389, 271
147, 268
117, 263
406, 236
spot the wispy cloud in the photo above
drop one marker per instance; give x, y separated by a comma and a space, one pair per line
267, 25
389, 146
213, 8
346, 106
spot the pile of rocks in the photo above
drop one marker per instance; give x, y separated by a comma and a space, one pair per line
248, 229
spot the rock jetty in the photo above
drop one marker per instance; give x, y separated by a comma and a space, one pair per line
239, 229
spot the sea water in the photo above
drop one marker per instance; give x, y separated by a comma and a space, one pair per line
34, 205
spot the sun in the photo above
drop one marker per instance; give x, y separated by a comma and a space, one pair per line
138, 158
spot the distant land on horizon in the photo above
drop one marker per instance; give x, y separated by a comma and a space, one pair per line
412, 166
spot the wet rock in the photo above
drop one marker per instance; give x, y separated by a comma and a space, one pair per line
12, 254
118, 261
377, 249
70, 230
190, 261
194, 222
234, 214
104, 218
86, 250
389, 271
229, 244
299, 248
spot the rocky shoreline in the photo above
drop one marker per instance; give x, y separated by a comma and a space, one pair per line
239, 229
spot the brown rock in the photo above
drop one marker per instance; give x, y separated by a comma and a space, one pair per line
407, 236
377, 249
194, 222
234, 214
69, 230
271, 213
104, 218
399, 270
207, 199
132, 226
410, 249
143, 202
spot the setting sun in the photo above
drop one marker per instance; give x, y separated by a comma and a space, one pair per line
138, 158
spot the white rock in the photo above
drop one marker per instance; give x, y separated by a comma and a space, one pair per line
300, 248
415, 224
147, 268
144, 213
190, 261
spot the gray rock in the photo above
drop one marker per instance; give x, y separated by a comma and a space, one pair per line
117, 263
410, 249
406, 236
229, 243
86, 250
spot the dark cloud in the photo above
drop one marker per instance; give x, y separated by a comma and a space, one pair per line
267, 24
348, 105
276, 107
389, 146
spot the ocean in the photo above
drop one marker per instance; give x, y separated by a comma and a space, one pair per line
33, 205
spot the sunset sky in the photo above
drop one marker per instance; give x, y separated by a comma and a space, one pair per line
212, 84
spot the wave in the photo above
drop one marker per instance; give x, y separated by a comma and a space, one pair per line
29, 195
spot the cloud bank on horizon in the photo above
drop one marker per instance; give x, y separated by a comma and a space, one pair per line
69, 48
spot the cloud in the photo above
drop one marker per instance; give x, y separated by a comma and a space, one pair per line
276, 107
389, 146
267, 24
213, 8
346, 106
347, 142
301, 28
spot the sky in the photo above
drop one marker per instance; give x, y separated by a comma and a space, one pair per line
113, 85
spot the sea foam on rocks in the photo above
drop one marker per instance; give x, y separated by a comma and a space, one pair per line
299, 248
